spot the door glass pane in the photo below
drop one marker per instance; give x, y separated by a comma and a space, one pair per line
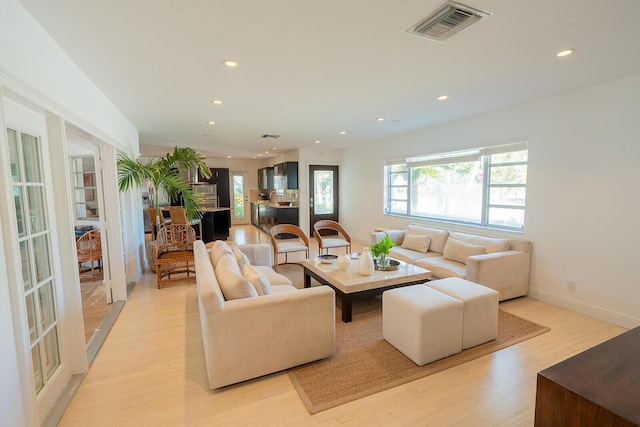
31, 153
238, 196
31, 317
36, 209
18, 200
51, 353
37, 372
47, 306
323, 192
13, 155
41, 257
25, 258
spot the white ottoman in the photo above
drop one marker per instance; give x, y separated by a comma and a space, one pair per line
424, 324
480, 312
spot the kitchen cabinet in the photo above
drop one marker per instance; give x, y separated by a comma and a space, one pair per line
285, 176
265, 216
215, 225
220, 177
265, 178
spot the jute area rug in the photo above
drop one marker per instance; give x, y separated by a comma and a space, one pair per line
364, 363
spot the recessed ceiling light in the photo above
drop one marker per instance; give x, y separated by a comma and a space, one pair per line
317, 142
343, 133
211, 122
228, 157
266, 152
259, 155
380, 119
442, 97
216, 101
274, 148
231, 63
565, 52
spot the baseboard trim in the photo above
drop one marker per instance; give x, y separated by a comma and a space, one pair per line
586, 309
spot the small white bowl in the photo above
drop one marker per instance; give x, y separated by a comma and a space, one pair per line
328, 259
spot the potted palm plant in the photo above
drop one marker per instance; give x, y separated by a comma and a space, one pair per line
163, 176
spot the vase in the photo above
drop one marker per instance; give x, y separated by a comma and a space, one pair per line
343, 262
382, 262
365, 266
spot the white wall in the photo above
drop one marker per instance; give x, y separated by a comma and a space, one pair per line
582, 195
37, 70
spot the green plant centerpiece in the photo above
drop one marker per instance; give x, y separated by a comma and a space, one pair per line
163, 176
380, 251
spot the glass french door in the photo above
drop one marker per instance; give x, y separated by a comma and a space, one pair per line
240, 208
323, 204
38, 286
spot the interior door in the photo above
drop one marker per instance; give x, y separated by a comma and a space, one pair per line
240, 213
324, 197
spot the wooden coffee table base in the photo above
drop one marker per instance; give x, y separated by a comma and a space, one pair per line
347, 299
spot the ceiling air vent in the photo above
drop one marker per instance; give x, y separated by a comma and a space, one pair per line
447, 21
268, 136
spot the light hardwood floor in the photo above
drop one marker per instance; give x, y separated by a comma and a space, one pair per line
150, 372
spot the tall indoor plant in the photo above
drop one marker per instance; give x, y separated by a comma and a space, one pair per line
163, 176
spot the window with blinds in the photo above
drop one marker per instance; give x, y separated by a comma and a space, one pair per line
483, 186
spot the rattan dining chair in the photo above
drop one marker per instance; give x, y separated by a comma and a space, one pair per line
89, 250
178, 216
174, 254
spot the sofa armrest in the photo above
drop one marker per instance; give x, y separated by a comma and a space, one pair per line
258, 253
506, 272
257, 336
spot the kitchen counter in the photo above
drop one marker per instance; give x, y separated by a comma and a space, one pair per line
265, 215
273, 204
215, 209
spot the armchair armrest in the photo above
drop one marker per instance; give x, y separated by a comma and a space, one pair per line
257, 336
506, 272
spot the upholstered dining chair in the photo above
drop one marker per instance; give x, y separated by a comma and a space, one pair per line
282, 245
328, 241
178, 216
174, 254
89, 249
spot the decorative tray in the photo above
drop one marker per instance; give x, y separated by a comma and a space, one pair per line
393, 265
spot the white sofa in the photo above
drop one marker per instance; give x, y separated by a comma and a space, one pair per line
500, 264
251, 336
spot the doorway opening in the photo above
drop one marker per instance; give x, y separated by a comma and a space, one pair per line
324, 198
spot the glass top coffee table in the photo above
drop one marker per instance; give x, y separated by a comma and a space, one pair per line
350, 285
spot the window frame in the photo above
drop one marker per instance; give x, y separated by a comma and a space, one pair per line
482, 155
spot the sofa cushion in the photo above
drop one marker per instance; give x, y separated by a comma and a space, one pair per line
492, 244
257, 279
458, 251
218, 249
438, 237
416, 242
396, 235
442, 268
275, 279
231, 281
241, 257
283, 289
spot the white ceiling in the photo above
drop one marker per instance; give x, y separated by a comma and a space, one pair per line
310, 69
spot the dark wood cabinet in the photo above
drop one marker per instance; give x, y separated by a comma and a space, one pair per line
598, 387
215, 225
220, 177
265, 178
285, 176
265, 216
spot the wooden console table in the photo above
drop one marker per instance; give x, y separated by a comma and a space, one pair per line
598, 387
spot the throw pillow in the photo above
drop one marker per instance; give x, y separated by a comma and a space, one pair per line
257, 279
455, 250
218, 249
241, 257
232, 284
438, 237
417, 242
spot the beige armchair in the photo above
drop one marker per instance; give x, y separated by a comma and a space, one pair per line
330, 240
284, 246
